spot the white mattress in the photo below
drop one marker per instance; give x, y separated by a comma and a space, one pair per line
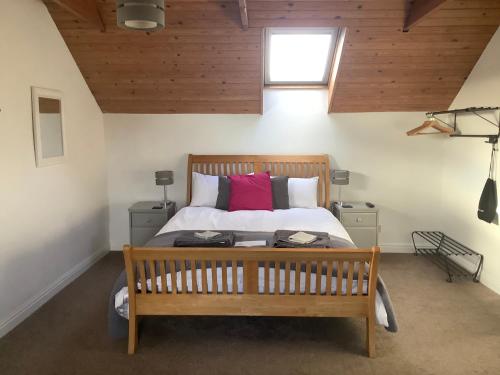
207, 218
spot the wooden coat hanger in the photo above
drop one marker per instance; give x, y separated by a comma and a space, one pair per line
431, 123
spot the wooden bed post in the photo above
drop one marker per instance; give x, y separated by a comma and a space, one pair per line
132, 317
372, 290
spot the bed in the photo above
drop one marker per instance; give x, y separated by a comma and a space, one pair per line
253, 281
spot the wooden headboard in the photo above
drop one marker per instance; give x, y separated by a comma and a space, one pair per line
277, 165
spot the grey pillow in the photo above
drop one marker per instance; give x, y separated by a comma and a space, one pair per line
222, 202
279, 188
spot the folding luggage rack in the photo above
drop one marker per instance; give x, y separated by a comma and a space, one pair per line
457, 260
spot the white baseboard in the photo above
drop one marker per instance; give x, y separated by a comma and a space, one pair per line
35, 302
396, 248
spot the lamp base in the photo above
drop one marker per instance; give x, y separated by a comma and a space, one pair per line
166, 202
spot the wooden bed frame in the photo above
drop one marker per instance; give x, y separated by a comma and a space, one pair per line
251, 302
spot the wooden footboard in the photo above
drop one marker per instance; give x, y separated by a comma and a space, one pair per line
230, 299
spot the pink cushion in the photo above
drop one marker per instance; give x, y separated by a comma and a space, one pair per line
251, 192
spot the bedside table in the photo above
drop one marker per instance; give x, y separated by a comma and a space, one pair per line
360, 221
145, 221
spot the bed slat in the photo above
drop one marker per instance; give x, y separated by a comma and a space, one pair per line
287, 277
204, 282
298, 266
152, 270
173, 275
267, 287
328, 288
142, 273
320, 185
340, 276
183, 276
163, 276
194, 276
319, 266
234, 265
224, 277
308, 278
277, 280
213, 267
350, 275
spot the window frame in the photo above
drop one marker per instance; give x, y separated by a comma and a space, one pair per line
333, 31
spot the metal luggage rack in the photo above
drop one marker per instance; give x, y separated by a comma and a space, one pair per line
449, 255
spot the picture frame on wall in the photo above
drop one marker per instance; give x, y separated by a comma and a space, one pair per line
49, 135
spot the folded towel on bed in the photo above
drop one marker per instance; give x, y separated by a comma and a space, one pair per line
190, 240
281, 239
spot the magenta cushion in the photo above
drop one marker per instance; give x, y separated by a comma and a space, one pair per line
251, 192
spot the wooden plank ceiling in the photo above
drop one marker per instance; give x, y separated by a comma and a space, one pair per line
204, 62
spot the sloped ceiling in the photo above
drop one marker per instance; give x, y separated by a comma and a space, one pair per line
203, 62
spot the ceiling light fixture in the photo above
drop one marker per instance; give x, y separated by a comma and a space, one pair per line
145, 15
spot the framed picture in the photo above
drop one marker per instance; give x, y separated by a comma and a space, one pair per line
48, 126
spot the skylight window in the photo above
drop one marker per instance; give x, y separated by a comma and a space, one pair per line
299, 56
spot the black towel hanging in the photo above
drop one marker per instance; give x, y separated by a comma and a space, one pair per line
489, 201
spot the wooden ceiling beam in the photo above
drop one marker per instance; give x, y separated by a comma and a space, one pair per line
85, 10
244, 14
419, 9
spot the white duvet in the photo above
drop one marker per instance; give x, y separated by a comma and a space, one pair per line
207, 218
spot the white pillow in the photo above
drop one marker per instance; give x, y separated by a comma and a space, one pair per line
204, 190
303, 192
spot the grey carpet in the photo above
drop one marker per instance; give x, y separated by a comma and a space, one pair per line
444, 329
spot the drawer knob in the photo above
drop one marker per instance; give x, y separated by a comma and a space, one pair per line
149, 221
359, 220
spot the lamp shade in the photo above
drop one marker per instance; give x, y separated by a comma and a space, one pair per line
164, 178
146, 15
339, 177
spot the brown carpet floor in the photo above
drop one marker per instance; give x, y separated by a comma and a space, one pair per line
444, 329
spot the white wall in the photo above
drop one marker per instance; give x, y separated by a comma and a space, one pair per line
465, 166
53, 220
398, 173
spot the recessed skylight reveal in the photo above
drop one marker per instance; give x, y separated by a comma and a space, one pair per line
299, 56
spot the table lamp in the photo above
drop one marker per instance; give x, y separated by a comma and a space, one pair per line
164, 178
339, 177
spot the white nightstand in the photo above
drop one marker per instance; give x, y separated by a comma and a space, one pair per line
145, 221
360, 221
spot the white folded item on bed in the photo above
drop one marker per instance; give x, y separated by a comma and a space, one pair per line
121, 298
300, 219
